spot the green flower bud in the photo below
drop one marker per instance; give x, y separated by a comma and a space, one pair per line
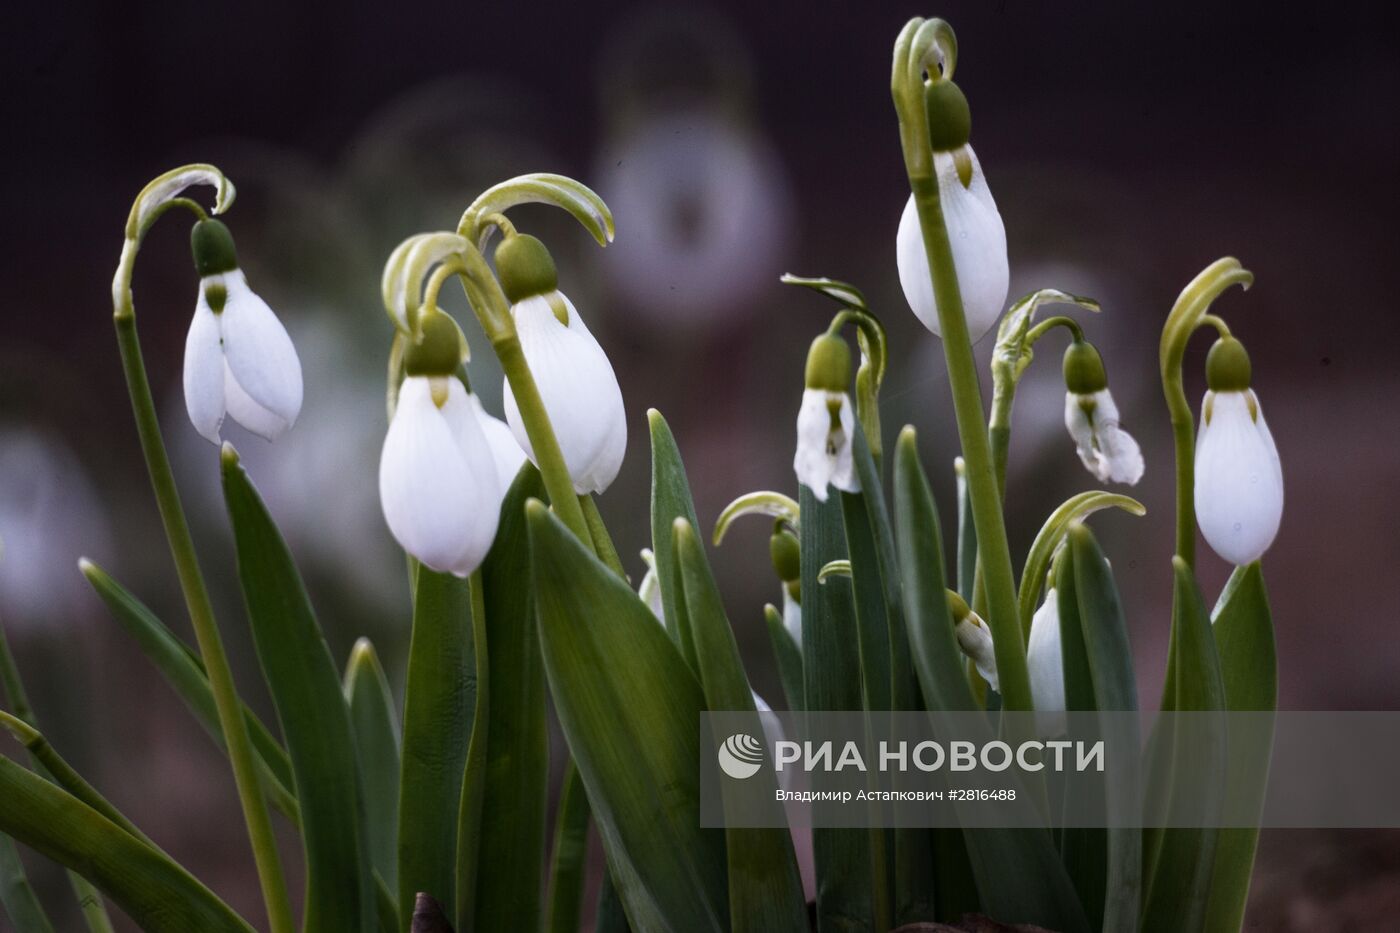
949, 118
1084, 372
525, 267
1227, 366
829, 364
439, 351
786, 555
212, 244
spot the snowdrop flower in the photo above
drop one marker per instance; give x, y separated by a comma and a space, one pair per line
974, 638
649, 591
1108, 452
239, 360
975, 229
1239, 480
575, 379
439, 479
501, 439
825, 422
786, 554
1044, 658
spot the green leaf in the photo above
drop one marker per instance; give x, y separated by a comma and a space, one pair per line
832, 682
1244, 637
670, 500
439, 701
516, 777
765, 890
376, 726
17, 894
1179, 862
1099, 676
788, 654
155, 892
630, 710
1019, 874
568, 854
184, 671
306, 689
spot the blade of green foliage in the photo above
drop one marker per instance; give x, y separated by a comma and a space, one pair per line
471, 794
608, 916
376, 726
765, 890
1244, 637
568, 854
670, 500
306, 690
439, 702
184, 671
630, 710
1093, 628
788, 654
17, 894
832, 682
1019, 874
1179, 862
516, 778
155, 892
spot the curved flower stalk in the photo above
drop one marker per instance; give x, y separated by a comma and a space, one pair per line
1091, 416
575, 378
783, 548
239, 360
1239, 479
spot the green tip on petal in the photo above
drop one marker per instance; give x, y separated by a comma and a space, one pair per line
829, 364
211, 241
440, 348
1084, 372
525, 267
949, 117
1227, 366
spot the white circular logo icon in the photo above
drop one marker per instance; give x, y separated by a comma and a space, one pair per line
740, 756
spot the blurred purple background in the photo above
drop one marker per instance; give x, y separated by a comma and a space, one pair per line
1127, 147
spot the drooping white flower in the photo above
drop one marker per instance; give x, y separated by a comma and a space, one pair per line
825, 423
439, 482
649, 590
1108, 452
579, 389
975, 639
1044, 659
499, 437
1239, 479
792, 614
239, 361
978, 240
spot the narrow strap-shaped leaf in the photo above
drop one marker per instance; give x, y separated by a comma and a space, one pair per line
471, 794
306, 689
609, 917
1179, 862
17, 895
630, 710
1019, 874
670, 500
568, 854
832, 672
439, 700
1244, 637
154, 891
788, 655
376, 726
184, 671
765, 889
512, 833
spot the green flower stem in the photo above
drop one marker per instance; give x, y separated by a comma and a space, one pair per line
1190, 312
206, 630
983, 486
90, 901
493, 311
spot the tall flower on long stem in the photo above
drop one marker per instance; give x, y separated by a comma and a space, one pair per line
975, 228
1239, 479
439, 483
826, 422
239, 360
1091, 416
575, 378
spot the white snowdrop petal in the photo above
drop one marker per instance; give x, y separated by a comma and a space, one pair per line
426, 489
1124, 456
247, 412
811, 463
792, 617
843, 469
1044, 659
976, 642
480, 463
259, 352
505, 450
978, 239
1081, 428
204, 372
1239, 479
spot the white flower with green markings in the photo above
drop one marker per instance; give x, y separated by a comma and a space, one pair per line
239, 360
1091, 416
826, 421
